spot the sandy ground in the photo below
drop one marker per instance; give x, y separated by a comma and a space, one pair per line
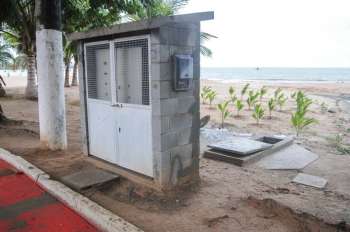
229, 198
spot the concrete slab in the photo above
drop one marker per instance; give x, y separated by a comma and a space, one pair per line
88, 178
293, 157
240, 146
310, 180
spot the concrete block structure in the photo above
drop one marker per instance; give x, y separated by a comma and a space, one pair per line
132, 116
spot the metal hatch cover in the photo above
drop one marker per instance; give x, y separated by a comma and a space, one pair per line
240, 146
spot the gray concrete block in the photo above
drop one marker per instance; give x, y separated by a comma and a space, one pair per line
88, 178
177, 36
169, 106
310, 180
155, 90
185, 105
292, 157
169, 140
183, 153
160, 53
184, 136
155, 71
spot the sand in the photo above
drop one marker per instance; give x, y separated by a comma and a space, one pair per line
229, 198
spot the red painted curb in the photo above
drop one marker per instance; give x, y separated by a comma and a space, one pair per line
24, 207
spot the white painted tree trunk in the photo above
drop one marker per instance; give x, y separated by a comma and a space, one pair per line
31, 89
75, 73
66, 75
52, 114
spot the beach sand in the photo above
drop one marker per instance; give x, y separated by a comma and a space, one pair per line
229, 198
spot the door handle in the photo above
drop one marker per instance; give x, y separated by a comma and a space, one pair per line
119, 129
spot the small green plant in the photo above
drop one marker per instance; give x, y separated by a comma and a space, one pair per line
258, 113
262, 93
340, 146
293, 95
271, 105
244, 90
281, 100
299, 119
239, 106
223, 108
204, 93
211, 96
277, 92
252, 98
231, 91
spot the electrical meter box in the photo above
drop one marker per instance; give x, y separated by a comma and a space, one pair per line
139, 98
183, 72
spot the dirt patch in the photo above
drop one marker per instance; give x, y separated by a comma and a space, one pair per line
270, 208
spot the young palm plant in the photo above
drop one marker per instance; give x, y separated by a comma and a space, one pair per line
252, 98
271, 105
211, 96
223, 108
239, 106
244, 90
204, 93
277, 92
299, 120
281, 100
258, 113
262, 92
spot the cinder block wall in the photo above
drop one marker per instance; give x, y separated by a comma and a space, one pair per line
175, 115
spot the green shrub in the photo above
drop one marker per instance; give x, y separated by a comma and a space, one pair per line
262, 93
239, 106
244, 90
211, 96
223, 108
258, 113
252, 98
299, 119
204, 93
271, 105
281, 100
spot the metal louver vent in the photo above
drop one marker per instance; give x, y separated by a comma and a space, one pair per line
143, 45
91, 69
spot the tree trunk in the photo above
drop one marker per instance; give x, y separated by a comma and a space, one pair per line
75, 73
31, 89
49, 46
66, 76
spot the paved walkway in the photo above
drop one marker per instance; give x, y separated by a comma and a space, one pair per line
24, 206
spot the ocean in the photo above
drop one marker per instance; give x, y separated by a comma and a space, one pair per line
278, 74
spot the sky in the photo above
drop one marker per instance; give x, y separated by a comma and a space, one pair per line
276, 33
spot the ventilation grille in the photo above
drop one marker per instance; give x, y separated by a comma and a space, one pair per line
142, 43
91, 68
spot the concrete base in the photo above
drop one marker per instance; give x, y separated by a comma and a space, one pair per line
248, 159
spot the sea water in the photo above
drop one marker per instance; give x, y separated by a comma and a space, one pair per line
277, 74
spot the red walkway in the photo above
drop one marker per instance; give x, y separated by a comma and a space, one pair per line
25, 207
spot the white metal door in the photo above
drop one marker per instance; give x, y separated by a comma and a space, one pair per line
135, 140
101, 117
118, 106
134, 117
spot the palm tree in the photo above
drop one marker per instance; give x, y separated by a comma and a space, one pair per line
205, 51
5, 55
19, 28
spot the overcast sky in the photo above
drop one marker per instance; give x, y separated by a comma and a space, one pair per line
277, 33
